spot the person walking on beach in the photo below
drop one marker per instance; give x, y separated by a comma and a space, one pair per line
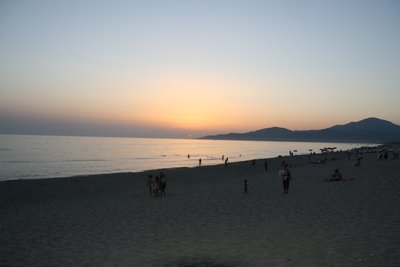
149, 182
163, 184
285, 176
226, 162
266, 165
245, 186
155, 185
199, 161
289, 178
358, 163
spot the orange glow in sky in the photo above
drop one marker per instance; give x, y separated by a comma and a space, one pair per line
198, 67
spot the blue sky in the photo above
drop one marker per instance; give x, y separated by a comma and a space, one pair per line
174, 68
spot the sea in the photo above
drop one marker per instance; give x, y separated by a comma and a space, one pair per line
37, 157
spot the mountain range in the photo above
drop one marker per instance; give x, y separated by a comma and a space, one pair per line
371, 130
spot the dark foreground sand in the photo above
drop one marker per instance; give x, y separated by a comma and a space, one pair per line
206, 220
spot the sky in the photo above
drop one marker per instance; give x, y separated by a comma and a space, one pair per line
191, 68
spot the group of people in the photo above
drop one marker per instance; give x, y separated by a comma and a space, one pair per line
284, 174
223, 159
385, 155
286, 177
157, 185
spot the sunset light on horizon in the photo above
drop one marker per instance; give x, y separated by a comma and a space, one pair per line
191, 68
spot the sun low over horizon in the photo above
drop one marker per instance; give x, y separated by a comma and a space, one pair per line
192, 68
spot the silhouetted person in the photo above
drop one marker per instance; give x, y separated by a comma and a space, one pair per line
199, 161
289, 178
156, 187
336, 176
226, 161
266, 165
358, 163
253, 163
163, 184
286, 177
385, 155
149, 182
245, 186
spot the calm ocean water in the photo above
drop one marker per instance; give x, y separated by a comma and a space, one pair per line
32, 157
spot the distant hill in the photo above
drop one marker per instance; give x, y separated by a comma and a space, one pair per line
371, 130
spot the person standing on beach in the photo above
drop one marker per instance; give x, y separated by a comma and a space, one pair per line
226, 162
163, 184
155, 185
245, 184
199, 161
285, 176
253, 163
149, 182
266, 165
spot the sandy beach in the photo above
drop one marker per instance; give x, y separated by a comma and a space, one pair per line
205, 219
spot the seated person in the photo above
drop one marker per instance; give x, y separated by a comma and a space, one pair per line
336, 176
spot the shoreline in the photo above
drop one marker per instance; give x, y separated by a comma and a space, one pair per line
372, 149
57, 157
